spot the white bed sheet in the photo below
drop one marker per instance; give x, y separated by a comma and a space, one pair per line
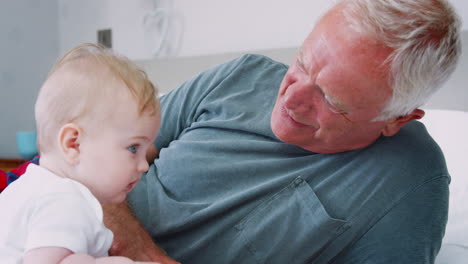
449, 128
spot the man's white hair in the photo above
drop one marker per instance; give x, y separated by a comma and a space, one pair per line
425, 38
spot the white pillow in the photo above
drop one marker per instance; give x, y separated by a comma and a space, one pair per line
449, 128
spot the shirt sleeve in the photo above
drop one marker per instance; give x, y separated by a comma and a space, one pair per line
409, 233
181, 107
67, 220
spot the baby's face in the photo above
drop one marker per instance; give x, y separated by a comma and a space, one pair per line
113, 155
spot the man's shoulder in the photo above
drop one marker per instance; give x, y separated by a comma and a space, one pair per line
411, 149
415, 138
247, 65
248, 70
251, 61
260, 59
254, 67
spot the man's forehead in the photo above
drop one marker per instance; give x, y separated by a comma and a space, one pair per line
351, 76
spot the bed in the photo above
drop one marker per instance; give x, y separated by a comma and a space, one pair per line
450, 129
446, 119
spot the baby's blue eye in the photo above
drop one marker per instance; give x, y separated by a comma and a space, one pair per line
133, 148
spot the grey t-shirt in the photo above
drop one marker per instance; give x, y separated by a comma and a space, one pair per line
226, 190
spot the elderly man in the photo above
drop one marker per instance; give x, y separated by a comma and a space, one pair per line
330, 169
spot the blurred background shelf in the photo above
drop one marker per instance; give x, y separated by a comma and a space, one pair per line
8, 164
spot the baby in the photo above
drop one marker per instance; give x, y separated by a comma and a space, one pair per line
97, 115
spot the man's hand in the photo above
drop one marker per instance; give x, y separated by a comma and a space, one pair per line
151, 154
130, 238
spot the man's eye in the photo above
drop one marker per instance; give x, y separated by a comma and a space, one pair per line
133, 148
337, 111
329, 104
333, 108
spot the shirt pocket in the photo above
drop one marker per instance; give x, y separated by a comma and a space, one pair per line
292, 226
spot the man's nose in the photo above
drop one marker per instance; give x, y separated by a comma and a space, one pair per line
298, 98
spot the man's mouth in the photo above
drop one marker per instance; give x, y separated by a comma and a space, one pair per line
291, 118
295, 120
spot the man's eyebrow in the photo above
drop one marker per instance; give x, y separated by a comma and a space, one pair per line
332, 100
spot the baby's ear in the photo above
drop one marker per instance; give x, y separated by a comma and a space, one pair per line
69, 142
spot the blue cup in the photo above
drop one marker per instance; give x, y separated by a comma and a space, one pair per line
26, 144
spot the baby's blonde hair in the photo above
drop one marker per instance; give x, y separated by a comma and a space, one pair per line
79, 85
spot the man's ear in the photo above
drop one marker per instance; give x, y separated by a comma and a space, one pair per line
69, 142
394, 125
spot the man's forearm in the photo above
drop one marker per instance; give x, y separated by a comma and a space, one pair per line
130, 238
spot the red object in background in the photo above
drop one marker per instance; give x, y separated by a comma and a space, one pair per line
7, 177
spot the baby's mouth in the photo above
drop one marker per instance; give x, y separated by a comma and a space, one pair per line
131, 185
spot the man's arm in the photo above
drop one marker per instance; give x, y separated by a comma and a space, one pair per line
130, 238
151, 154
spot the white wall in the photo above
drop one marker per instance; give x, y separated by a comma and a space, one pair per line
197, 27
208, 26
79, 21
28, 48
228, 26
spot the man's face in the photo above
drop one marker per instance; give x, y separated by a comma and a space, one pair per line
335, 87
